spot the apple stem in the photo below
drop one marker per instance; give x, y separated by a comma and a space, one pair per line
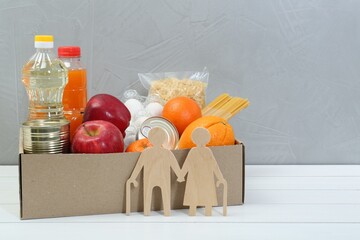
86, 130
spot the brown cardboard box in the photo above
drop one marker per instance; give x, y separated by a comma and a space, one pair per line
58, 185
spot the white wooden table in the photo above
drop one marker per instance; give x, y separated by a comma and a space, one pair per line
281, 202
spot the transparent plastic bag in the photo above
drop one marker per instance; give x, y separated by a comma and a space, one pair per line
168, 85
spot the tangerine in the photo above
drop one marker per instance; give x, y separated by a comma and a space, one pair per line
220, 130
181, 111
139, 145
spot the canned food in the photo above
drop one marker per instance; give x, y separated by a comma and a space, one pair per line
170, 129
46, 136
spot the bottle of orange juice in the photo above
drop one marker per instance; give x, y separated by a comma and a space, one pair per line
75, 92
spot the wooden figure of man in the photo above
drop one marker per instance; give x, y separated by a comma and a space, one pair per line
157, 163
200, 166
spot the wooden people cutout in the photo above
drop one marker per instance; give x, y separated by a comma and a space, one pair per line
157, 163
200, 166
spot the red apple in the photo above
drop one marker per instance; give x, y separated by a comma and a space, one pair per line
97, 136
108, 108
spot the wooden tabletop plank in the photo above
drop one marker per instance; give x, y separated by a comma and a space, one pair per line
302, 170
180, 231
248, 213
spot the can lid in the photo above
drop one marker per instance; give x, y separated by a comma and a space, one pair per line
170, 129
69, 51
44, 41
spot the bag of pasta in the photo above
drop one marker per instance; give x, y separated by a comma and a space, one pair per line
168, 85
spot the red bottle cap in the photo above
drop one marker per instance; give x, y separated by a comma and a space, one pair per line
69, 51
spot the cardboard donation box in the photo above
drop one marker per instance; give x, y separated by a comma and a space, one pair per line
58, 185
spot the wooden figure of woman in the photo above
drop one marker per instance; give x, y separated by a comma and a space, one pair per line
200, 166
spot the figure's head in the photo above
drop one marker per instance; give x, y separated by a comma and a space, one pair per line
200, 136
157, 136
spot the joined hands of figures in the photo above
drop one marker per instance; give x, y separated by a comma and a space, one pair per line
181, 179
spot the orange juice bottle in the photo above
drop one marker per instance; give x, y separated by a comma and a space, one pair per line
75, 92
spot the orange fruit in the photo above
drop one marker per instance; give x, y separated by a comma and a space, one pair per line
221, 132
181, 111
139, 145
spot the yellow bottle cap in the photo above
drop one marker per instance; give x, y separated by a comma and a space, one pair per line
44, 38
44, 41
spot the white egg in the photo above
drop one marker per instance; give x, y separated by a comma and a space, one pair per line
131, 130
154, 109
134, 106
139, 121
142, 113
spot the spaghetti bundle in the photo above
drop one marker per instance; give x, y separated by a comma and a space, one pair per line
225, 106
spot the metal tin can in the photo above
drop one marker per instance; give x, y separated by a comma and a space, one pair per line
170, 129
46, 136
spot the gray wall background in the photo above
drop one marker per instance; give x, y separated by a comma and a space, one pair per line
296, 61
